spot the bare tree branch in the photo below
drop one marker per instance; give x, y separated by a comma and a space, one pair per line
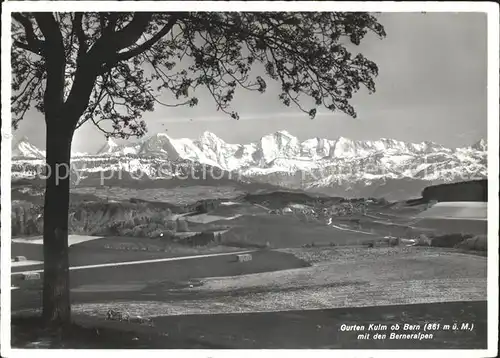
123, 56
34, 44
80, 34
146, 45
112, 19
112, 42
35, 50
50, 30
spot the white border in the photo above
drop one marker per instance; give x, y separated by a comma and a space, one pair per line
493, 173
307, 6
490, 8
5, 186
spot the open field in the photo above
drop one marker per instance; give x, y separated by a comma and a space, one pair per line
179, 195
156, 278
275, 281
293, 307
110, 250
309, 255
288, 231
318, 329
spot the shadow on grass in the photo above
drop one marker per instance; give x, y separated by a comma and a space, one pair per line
28, 333
316, 329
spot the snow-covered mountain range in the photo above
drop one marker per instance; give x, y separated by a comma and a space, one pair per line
282, 159
24, 149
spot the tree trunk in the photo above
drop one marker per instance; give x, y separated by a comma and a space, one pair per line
56, 298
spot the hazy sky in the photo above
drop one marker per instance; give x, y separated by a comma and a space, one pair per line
432, 85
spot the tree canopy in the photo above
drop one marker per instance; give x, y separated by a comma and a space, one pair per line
110, 68
117, 65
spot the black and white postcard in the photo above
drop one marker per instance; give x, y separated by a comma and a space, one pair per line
218, 176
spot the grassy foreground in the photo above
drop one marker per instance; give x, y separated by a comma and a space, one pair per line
317, 329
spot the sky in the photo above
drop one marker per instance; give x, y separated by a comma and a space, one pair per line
432, 85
